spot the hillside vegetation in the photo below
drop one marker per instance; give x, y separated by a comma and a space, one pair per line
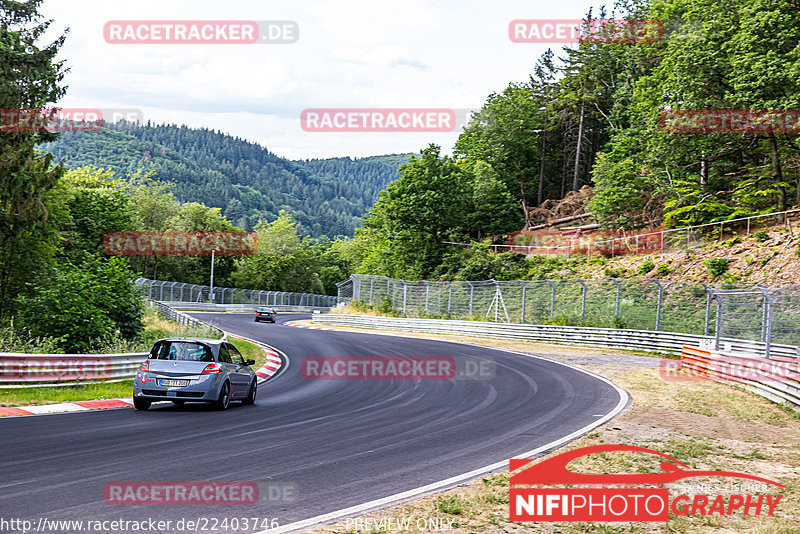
245, 180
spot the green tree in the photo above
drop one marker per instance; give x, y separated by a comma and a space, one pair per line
494, 210
428, 205
30, 78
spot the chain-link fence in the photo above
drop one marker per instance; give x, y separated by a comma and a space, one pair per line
180, 292
746, 313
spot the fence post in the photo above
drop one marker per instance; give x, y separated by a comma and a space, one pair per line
766, 320
371, 284
552, 298
583, 300
616, 312
524, 287
471, 294
658, 306
708, 307
405, 294
719, 320
449, 296
427, 292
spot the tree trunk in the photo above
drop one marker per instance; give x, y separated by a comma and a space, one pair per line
576, 172
540, 193
776, 171
703, 169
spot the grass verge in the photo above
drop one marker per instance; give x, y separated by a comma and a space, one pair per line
51, 394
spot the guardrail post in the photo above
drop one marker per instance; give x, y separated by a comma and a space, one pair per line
658, 306
616, 312
524, 287
583, 300
766, 320
552, 298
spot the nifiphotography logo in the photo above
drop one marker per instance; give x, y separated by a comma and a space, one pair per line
622, 503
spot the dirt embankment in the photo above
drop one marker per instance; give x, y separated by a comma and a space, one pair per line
767, 256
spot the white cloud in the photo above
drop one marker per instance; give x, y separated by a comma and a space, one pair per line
351, 53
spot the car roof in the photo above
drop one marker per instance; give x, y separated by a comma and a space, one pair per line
207, 341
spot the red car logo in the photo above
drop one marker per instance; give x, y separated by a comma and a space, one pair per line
554, 470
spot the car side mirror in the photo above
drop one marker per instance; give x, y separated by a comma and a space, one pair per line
250, 362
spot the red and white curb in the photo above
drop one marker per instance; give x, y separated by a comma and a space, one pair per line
291, 323
272, 365
76, 406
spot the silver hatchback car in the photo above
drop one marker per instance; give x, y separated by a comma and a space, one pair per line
194, 370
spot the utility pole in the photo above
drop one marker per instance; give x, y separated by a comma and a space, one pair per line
211, 292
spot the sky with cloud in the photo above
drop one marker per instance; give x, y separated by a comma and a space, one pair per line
350, 54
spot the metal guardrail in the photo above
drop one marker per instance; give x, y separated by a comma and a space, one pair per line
36, 370
181, 318
785, 391
647, 340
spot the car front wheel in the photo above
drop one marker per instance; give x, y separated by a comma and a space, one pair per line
251, 396
141, 404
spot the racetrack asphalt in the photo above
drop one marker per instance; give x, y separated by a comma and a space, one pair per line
327, 444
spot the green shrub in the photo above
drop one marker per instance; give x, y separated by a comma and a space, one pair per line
385, 306
83, 307
717, 266
646, 266
761, 236
615, 273
663, 269
450, 505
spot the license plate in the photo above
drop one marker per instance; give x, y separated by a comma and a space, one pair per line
180, 383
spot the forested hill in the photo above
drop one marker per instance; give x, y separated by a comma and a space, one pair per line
326, 197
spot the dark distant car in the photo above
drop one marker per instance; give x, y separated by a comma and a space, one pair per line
265, 314
194, 370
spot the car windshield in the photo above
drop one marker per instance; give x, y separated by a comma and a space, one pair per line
182, 350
